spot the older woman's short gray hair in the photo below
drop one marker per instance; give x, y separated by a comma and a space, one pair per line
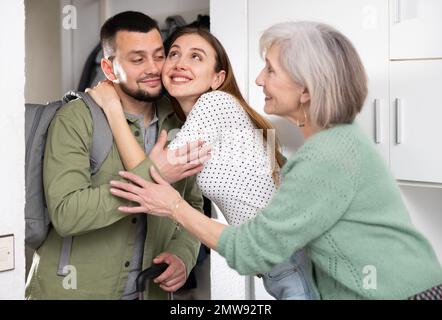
325, 62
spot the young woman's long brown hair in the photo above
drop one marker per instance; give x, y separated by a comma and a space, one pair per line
229, 85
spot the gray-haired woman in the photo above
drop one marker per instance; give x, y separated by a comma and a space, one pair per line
337, 198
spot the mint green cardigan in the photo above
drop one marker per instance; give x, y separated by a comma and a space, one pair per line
340, 202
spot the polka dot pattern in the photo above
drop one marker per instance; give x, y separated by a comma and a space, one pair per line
238, 177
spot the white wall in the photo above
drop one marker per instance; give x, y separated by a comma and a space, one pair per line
225, 282
78, 43
43, 51
12, 148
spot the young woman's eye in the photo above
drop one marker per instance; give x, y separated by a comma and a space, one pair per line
196, 57
269, 69
172, 54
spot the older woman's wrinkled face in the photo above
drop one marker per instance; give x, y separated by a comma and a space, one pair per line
282, 94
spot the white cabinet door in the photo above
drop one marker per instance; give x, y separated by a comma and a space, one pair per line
416, 29
365, 22
416, 114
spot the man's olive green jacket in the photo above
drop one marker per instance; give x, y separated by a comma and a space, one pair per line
81, 205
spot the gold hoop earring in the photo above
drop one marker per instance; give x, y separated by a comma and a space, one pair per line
302, 124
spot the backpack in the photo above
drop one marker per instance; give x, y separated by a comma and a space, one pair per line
37, 121
92, 72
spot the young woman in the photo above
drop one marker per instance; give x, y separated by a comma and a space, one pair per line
337, 199
243, 172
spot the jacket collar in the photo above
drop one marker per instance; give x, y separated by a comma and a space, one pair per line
163, 110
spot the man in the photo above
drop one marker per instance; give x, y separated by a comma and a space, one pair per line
108, 248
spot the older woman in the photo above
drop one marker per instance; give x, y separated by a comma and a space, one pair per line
337, 199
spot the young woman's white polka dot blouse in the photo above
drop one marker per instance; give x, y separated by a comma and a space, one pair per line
238, 177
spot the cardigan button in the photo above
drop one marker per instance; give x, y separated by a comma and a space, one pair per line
127, 264
137, 133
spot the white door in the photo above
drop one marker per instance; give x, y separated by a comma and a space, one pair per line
416, 29
364, 22
416, 114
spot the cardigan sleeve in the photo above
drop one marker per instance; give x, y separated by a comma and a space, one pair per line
312, 198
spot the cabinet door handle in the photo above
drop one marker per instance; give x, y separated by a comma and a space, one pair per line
377, 121
398, 121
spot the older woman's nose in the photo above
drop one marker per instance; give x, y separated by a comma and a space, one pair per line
259, 80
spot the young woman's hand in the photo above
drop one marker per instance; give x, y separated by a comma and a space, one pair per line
105, 96
154, 198
184, 162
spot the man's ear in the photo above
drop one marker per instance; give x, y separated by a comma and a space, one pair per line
218, 80
108, 69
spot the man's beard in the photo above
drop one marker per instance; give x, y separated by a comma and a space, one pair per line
141, 95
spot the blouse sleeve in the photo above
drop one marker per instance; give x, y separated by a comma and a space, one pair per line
313, 197
205, 121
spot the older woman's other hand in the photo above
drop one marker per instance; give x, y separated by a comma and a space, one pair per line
154, 198
105, 95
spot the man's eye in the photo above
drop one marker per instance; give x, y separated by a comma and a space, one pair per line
138, 60
159, 57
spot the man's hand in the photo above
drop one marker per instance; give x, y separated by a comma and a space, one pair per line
175, 275
184, 162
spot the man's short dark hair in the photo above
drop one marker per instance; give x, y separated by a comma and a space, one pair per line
124, 21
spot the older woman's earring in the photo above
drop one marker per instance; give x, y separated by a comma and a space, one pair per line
302, 124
